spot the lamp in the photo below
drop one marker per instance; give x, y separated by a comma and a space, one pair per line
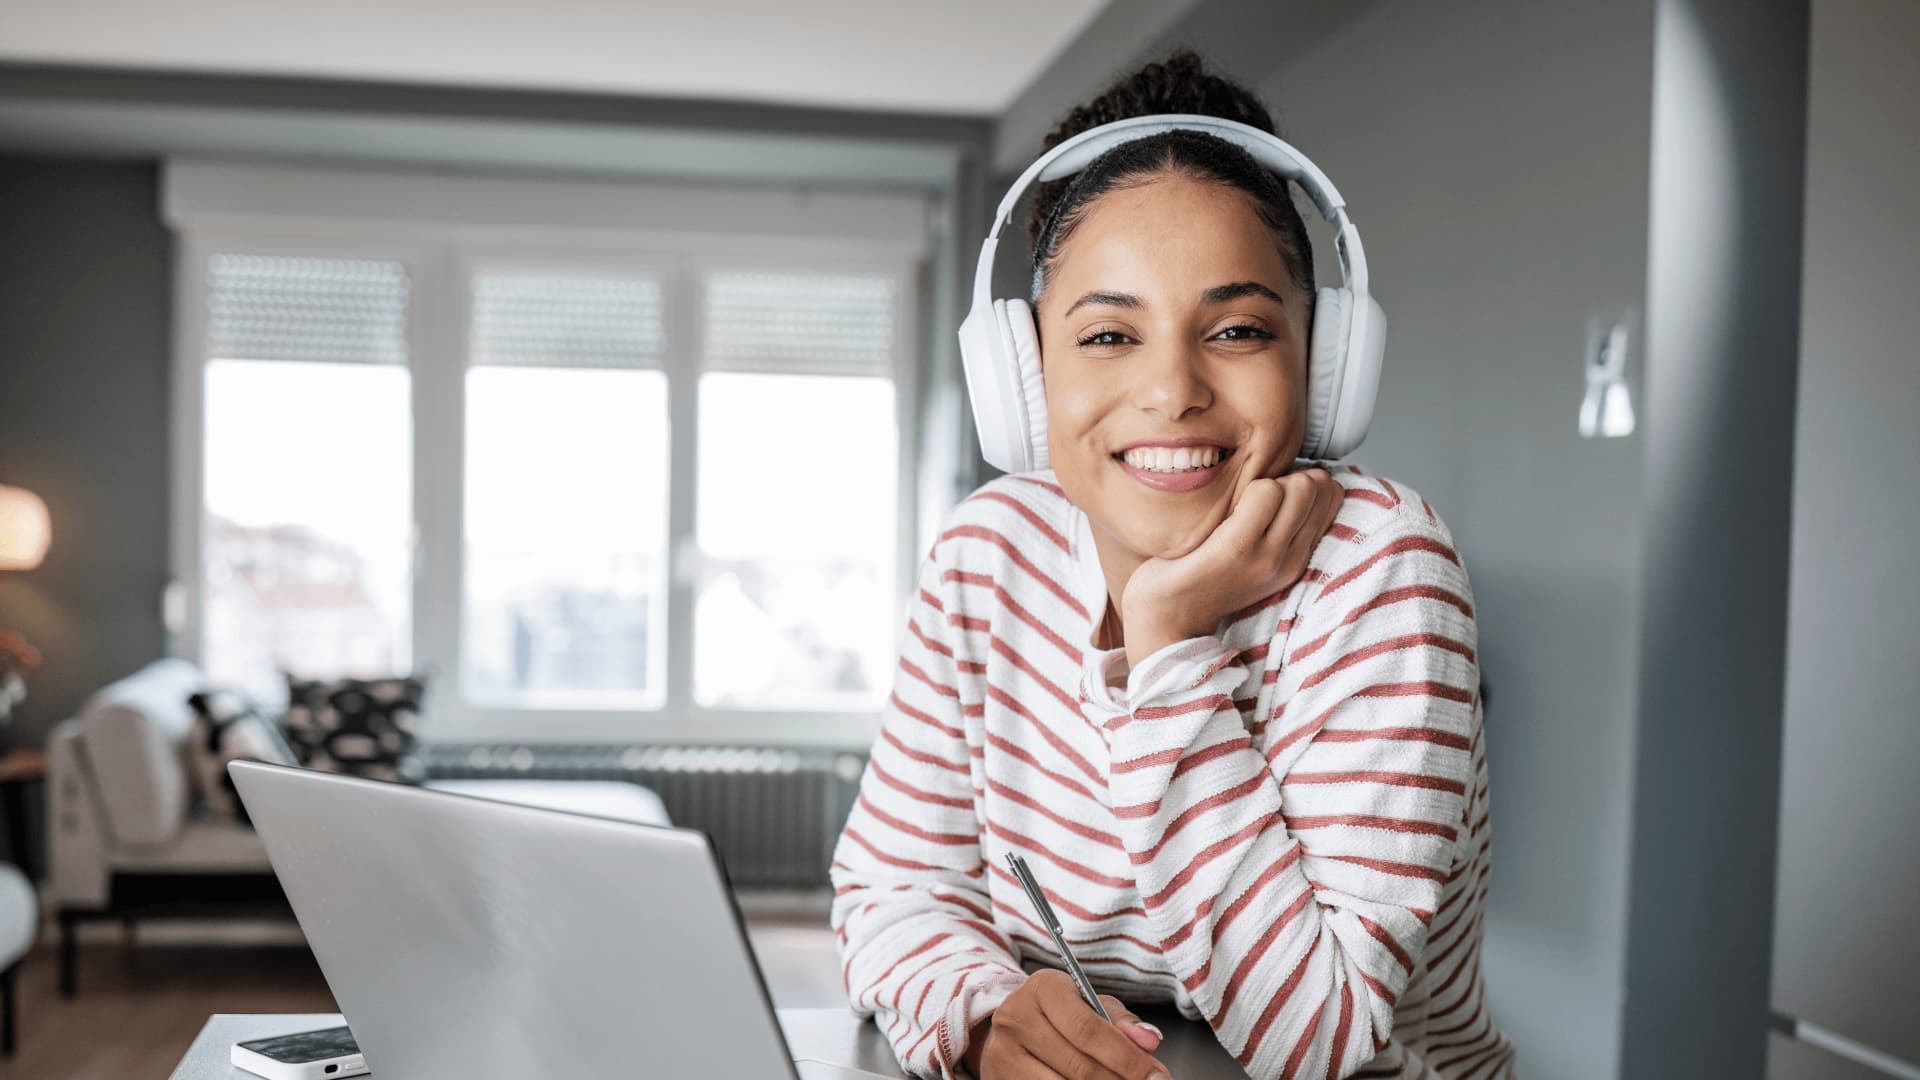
25, 529
24, 533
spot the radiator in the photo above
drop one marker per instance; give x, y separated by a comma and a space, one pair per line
774, 814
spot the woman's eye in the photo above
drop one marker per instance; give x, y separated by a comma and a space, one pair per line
1245, 332
1104, 337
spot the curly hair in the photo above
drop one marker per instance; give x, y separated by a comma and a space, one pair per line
1180, 83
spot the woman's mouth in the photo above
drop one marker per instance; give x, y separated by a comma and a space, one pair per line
1166, 468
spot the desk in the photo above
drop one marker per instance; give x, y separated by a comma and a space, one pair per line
834, 1035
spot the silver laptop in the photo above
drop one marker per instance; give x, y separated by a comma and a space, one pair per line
466, 938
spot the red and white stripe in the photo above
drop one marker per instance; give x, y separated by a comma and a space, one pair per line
1282, 829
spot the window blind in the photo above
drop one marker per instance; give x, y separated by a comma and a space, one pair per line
839, 324
574, 321
274, 307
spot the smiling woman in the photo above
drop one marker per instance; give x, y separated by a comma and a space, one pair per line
1176, 323
1224, 701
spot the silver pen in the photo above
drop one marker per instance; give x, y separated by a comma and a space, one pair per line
1045, 909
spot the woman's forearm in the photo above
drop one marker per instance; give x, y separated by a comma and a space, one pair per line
1222, 835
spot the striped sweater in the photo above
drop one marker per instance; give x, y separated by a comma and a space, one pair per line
1281, 828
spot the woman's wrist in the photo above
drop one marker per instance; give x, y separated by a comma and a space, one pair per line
1148, 634
976, 1044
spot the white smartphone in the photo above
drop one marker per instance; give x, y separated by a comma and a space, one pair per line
326, 1054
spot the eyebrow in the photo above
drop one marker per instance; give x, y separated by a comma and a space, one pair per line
1110, 299
1219, 294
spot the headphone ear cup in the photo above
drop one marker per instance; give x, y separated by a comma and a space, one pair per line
1016, 319
987, 358
1326, 368
1366, 348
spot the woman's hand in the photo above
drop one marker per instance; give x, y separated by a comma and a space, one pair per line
1262, 547
1045, 1030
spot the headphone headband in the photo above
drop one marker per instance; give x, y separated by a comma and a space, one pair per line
1269, 150
1078, 152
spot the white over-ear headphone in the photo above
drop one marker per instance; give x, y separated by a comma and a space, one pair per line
1001, 352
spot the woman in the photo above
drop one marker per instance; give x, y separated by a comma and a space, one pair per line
1252, 782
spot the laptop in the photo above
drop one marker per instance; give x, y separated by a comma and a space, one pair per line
466, 938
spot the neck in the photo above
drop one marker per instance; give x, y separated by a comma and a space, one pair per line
1117, 565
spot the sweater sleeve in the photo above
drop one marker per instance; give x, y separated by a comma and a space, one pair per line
919, 950
1292, 881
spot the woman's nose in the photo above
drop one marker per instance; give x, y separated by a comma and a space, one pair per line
1172, 383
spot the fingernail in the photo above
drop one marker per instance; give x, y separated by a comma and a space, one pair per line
1156, 1031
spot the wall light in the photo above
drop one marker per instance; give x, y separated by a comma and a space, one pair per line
1606, 408
25, 529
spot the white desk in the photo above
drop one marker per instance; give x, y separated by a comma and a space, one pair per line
834, 1035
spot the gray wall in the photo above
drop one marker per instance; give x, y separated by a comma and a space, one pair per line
1848, 797
1723, 338
1496, 163
85, 325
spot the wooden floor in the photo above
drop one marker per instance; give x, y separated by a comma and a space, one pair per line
139, 1007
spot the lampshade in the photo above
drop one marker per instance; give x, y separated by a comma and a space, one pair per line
25, 529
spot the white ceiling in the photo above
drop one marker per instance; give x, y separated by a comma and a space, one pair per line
949, 56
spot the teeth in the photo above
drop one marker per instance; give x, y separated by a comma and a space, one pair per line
1170, 459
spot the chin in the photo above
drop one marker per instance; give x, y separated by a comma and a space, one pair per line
1154, 525
1163, 539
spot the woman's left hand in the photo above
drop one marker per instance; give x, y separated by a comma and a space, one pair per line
1262, 547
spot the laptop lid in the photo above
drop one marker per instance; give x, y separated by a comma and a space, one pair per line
467, 938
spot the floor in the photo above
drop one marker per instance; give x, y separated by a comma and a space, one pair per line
139, 1008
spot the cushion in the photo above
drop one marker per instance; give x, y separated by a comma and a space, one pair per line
19, 915
133, 731
228, 726
366, 727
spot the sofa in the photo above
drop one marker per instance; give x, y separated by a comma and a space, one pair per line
128, 840
19, 923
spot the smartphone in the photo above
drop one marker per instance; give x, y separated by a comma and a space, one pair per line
325, 1054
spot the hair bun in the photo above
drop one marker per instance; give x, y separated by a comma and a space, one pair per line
1180, 83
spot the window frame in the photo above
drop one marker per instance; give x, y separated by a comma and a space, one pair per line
529, 225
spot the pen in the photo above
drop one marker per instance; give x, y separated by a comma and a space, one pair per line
1045, 909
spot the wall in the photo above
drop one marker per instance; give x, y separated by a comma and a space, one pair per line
1848, 797
85, 325
1723, 286
1495, 155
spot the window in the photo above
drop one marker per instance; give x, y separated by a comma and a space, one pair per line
594, 483
306, 446
566, 478
798, 518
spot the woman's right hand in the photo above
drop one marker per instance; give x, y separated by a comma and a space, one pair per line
1045, 1030
1263, 546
